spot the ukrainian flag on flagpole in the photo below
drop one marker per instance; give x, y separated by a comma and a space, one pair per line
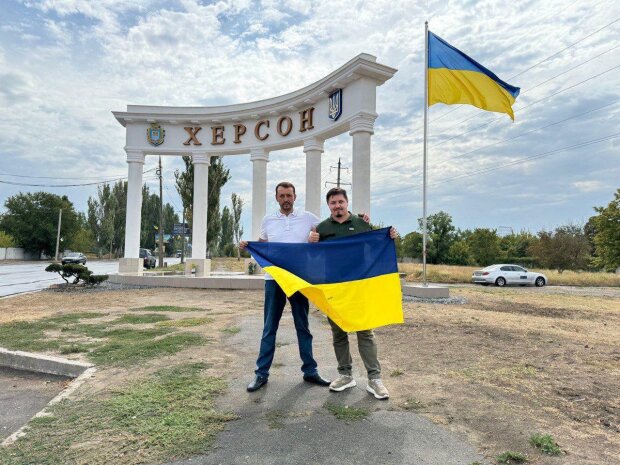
453, 77
353, 280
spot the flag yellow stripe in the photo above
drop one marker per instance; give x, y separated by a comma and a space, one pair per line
352, 305
469, 87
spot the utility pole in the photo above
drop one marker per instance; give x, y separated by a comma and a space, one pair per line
338, 182
161, 217
58, 235
183, 237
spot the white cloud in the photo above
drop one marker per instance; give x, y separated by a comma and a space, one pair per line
72, 62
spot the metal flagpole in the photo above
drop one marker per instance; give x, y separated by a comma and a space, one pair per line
424, 229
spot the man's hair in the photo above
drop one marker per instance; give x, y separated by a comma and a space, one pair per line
336, 191
286, 185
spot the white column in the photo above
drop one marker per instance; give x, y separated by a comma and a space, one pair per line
362, 127
313, 148
131, 262
199, 209
259, 158
199, 262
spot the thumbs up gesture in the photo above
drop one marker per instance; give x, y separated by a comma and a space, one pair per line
314, 236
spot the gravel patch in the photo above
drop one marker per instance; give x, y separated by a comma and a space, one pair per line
443, 301
103, 287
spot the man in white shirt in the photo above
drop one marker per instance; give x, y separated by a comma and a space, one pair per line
292, 226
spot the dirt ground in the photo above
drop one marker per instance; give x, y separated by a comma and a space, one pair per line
505, 364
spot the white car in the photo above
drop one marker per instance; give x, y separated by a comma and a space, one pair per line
501, 275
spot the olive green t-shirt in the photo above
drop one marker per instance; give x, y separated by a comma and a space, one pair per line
331, 229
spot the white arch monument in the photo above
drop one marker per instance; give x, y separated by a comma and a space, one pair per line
345, 100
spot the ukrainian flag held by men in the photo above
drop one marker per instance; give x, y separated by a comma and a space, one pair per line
453, 77
353, 280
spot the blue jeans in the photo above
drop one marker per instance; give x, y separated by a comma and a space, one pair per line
275, 300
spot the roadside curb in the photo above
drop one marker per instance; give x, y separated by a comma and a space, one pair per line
39, 363
42, 363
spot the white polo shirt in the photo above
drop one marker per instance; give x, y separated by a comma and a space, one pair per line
294, 228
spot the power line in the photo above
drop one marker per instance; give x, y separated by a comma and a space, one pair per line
171, 199
532, 67
512, 163
55, 177
70, 185
475, 115
441, 162
501, 116
532, 157
565, 48
530, 104
529, 131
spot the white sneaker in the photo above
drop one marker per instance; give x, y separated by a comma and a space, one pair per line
341, 383
377, 389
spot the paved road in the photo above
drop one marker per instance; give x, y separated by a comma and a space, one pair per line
22, 394
21, 277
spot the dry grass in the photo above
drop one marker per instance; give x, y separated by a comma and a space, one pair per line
511, 362
462, 274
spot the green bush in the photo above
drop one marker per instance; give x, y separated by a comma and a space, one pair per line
77, 273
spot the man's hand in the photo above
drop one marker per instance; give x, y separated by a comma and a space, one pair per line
243, 245
314, 236
365, 217
393, 233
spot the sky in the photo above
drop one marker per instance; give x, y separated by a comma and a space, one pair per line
65, 65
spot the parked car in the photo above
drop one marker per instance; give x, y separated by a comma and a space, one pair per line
149, 260
74, 257
501, 275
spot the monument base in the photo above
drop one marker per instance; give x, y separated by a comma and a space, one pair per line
130, 266
426, 292
202, 266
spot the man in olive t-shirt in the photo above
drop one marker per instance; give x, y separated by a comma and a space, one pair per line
343, 223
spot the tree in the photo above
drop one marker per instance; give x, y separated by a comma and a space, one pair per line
6, 240
484, 246
82, 240
170, 217
237, 206
441, 234
515, 246
119, 192
227, 247
607, 234
218, 176
150, 219
106, 218
460, 253
410, 245
32, 220
184, 181
566, 248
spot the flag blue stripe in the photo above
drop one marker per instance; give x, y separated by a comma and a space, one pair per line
443, 55
351, 258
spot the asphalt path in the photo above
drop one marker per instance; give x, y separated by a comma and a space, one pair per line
22, 277
288, 422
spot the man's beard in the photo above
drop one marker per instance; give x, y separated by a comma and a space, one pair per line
286, 206
339, 214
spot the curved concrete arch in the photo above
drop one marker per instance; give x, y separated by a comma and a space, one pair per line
305, 117
237, 129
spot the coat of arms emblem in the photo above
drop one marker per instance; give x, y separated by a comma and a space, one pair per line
155, 134
335, 104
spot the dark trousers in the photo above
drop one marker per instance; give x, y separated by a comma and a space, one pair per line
275, 300
368, 351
